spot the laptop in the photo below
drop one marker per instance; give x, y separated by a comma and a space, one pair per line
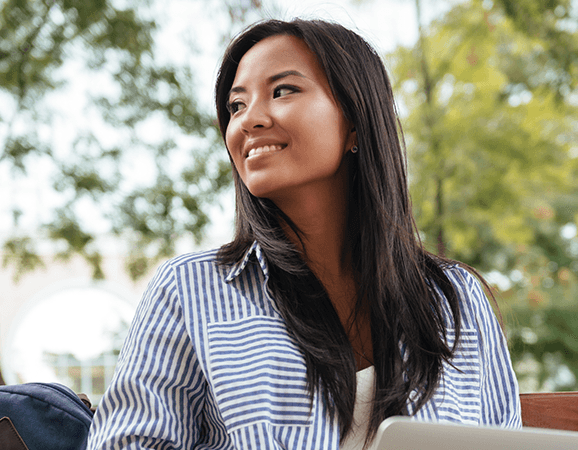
403, 433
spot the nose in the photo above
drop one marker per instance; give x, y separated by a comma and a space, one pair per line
256, 116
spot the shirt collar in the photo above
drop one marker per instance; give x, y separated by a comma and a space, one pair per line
238, 267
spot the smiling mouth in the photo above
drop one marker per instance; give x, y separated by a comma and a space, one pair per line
265, 149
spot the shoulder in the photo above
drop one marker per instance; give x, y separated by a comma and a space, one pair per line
181, 272
182, 265
475, 308
467, 286
461, 279
186, 259
499, 399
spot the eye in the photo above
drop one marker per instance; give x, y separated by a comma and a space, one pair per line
235, 106
284, 89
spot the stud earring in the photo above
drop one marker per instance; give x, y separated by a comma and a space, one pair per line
354, 149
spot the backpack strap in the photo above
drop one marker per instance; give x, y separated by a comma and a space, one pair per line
9, 437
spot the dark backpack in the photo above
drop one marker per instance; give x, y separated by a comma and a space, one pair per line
43, 416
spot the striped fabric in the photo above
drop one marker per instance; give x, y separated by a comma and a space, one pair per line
208, 364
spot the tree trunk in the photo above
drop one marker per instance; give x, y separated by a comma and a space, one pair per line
434, 143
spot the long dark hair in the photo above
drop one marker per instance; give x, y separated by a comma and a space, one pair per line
395, 274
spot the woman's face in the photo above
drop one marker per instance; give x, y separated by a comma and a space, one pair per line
287, 135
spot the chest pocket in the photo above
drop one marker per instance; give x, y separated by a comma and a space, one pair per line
258, 373
458, 395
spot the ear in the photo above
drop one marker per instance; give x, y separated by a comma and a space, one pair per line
351, 138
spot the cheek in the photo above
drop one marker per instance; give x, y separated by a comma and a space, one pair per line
228, 136
232, 143
323, 117
326, 129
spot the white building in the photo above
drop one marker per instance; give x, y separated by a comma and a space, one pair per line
59, 325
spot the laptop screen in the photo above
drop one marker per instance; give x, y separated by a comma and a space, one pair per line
404, 433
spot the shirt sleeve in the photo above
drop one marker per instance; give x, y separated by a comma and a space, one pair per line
500, 398
155, 397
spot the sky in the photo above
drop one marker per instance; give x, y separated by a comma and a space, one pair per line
384, 23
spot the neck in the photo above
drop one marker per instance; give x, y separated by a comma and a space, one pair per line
322, 221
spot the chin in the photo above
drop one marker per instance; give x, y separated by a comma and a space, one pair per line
262, 188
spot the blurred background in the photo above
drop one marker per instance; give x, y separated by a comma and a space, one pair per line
111, 161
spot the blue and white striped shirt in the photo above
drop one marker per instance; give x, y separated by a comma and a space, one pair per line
209, 364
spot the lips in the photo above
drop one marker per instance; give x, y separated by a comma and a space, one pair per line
265, 149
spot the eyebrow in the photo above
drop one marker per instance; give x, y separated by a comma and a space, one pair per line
270, 80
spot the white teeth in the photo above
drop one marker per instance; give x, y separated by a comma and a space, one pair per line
264, 149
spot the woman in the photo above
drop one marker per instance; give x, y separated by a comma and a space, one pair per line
325, 315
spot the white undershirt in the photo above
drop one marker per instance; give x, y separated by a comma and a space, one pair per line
361, 412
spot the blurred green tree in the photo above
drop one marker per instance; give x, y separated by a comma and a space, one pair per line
488, 97
149, 164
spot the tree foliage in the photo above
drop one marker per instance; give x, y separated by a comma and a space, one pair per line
489, 97
148, 164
